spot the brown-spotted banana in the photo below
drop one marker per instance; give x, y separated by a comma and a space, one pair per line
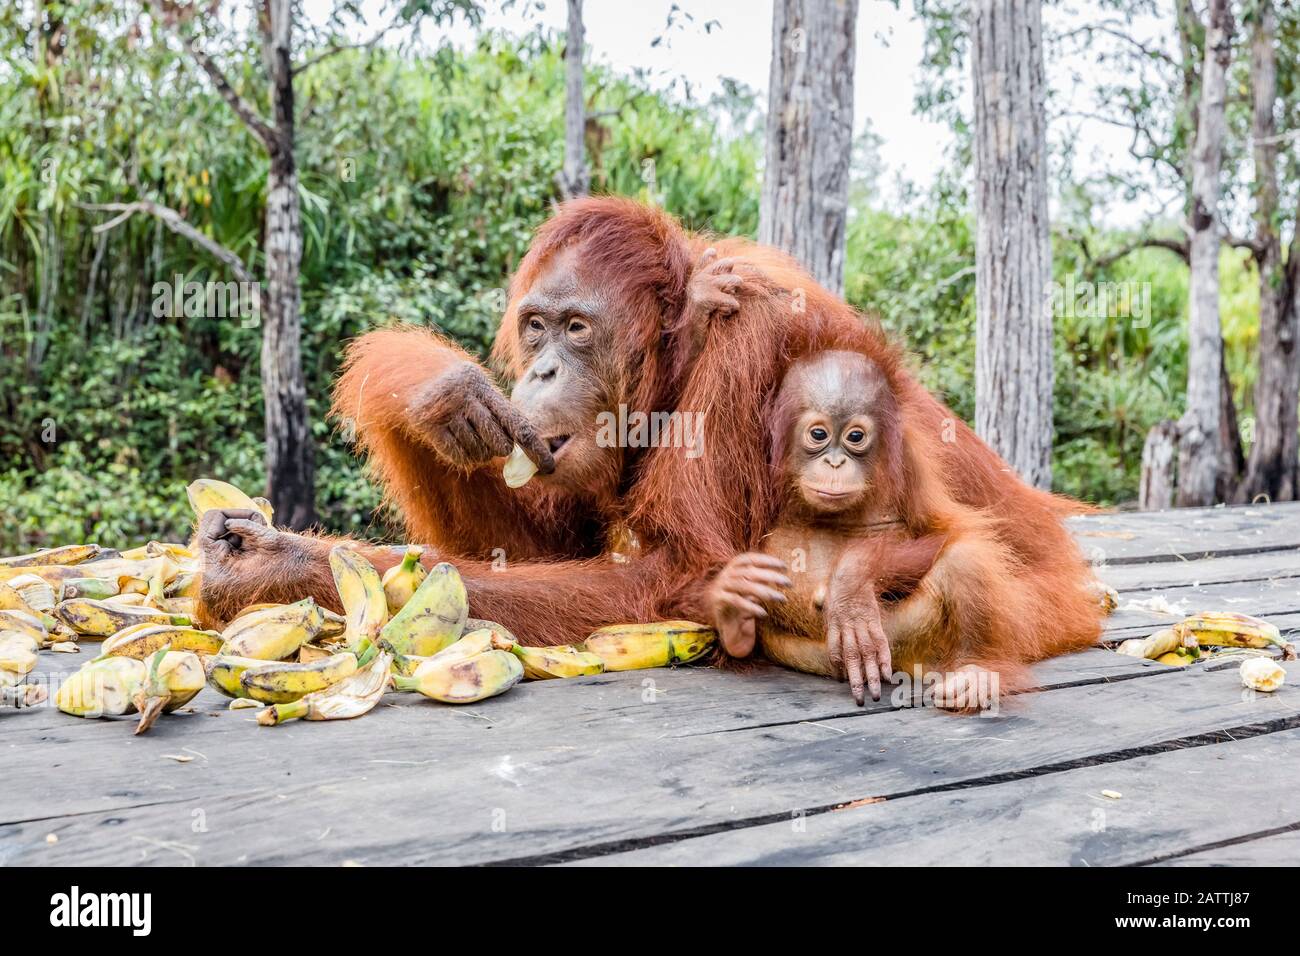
273, 633
66, 555
145, 640
1228, 629
350, 697
102, 619
207, 494
362, 592
625, 647
544, 663
463, 680
434, 617
224, 672
281, 683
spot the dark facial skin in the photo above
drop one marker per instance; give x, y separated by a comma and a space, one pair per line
832, 442
565, 330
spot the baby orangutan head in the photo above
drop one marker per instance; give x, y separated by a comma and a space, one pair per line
836, 434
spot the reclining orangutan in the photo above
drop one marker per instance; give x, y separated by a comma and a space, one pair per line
602, 314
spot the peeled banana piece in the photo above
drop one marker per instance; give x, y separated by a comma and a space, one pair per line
282, 683
272, 633
401, 581
519, 469
433, 618
1261, 673
17, 655
350, 697
625, 647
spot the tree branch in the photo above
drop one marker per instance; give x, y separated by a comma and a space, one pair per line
176, 223
1178, 247
340, 48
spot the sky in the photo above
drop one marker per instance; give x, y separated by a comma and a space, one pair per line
889, 48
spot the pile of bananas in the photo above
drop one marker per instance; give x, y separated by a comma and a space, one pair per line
407, 630
1218, 635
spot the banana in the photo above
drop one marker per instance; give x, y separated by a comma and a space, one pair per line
11, 600
96, 589
518, 469
174, 678
268, 511
101, 619
1157, 645
273, 633
35, 591
67, 555
362, 594
401, 580
104, 688
225, 670
1227, 629
334, 627
128, 600
1261, 673
543, 663
17, 653
26, 624
350, 697
281, 683
184, 585
1179, 658
463, 680
434, 617
625, 647
144, 641
209, 493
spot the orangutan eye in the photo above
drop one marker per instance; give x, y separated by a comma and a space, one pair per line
577, 328
536, 324
817, 433
856, 437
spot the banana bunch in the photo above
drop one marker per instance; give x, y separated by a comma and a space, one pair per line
626, 647
104, 619
207, 494
478, 666
272, 633
365, 608
172, 680
432, 619
350, 697
402, 580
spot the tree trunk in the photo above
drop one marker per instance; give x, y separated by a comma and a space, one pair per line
1274, 456
573, 179
810, 134
1158, 480
1202, 454
1013, 254
290, 453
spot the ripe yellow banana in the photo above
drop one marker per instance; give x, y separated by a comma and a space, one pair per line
625, 647
66, 555
281, 683
543, 663
104, 688
350, 697
1227, 629
102, 619
518, 469
11, 600
209, 493
224, 673
402, 580
144, 641
273, 633
364, 606
24, 623
17, 654
464, 680
434, 617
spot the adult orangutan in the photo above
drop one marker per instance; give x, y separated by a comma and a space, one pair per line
602, 313
856, 478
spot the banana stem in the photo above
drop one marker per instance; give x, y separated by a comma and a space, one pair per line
284, 712
402, 683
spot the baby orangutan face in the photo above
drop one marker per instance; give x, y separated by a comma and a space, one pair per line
834, 402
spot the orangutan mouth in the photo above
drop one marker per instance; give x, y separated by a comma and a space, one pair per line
557, 442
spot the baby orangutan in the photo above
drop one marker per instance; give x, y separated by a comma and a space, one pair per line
870, 565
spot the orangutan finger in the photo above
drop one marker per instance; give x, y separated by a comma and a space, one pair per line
707, 257
741, 603
489, 431
869, 663
767, 576
853, 665
759, 560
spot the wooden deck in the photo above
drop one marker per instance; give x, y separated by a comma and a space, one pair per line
698, 766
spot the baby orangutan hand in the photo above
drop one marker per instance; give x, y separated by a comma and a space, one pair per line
737, 595
855, 636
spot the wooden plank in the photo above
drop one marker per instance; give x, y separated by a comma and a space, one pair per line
1133, 537
1268, 599
545, 773
1169, 802
1270, 565
1274, 849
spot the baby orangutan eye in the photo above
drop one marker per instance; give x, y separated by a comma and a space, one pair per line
856, 437
818, 434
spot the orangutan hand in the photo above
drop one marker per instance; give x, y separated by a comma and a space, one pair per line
855, 638
736, 597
